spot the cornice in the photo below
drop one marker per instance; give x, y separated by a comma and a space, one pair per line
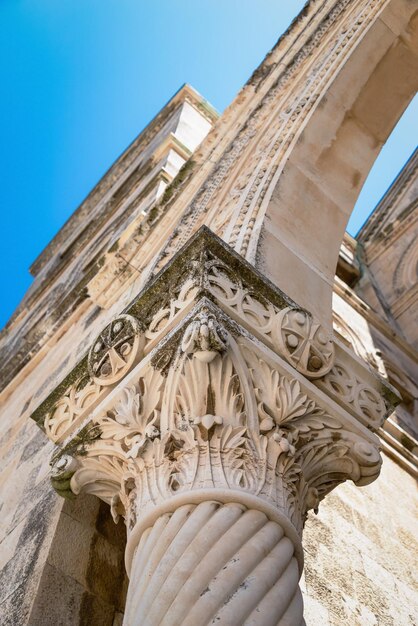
185, 93
400, 446
391, 232
375, 223
208, 268
405, 301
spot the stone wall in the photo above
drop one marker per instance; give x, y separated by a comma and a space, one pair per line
361, 554
83, 581
61, 562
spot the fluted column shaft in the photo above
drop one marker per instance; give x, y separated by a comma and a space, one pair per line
212, 563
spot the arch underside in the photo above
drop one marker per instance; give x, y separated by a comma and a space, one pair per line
309, 202
279, 175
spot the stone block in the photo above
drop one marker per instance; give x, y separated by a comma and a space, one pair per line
61, 601
62, 556
388, 91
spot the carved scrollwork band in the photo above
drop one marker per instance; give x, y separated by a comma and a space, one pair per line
350, 391
291, 332
304, 342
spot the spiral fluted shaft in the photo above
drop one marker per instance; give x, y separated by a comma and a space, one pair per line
213, 563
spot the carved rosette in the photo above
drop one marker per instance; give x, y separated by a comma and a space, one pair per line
113, 354
115, 350
303, 342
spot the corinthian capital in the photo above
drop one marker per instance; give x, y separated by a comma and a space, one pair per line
212, 398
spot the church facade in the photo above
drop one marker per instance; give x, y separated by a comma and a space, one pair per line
209, 393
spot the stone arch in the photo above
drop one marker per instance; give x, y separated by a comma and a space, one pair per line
310, 199
406, 272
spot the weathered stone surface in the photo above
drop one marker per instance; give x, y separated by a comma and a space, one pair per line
276, 178
373, 580
210, 440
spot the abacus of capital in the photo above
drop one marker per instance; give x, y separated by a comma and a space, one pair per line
212, 415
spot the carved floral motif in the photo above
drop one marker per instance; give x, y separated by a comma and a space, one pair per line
115, 350
224, 417
204, 338
304, 342
135, 418
347, 388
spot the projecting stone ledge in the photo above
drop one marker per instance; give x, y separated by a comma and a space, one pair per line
212, 414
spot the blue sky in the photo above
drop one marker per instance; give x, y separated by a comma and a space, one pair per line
81, 78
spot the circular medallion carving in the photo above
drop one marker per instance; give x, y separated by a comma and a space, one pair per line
370, 403
303, 342
115, 350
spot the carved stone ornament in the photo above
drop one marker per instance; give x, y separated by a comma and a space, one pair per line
115, 350
304, 342
62, 470
348, 389
204, 338
216, 443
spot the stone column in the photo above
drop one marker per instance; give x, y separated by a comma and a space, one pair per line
212, 419
214, 562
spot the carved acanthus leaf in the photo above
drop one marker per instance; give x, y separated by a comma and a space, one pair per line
282, 403
135, 418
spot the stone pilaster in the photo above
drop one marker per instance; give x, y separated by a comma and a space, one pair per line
212, 415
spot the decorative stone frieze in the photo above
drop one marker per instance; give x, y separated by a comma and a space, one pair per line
205, 415
247, 171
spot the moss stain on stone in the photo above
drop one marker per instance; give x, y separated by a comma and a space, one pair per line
190, 261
